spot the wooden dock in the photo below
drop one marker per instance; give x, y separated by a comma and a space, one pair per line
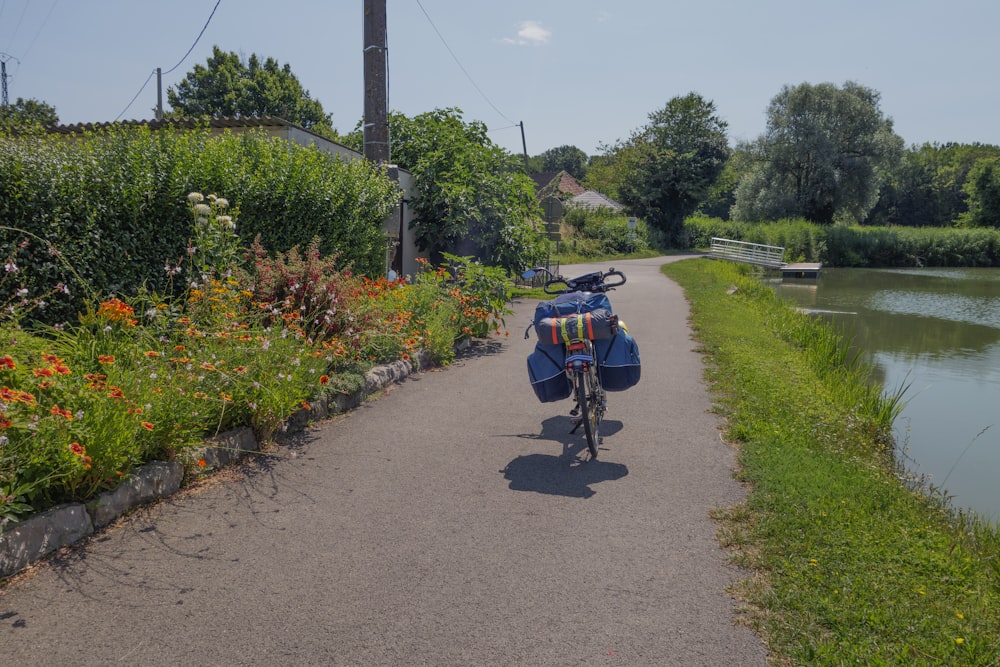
801, 270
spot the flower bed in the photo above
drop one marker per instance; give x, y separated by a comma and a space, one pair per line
249, 341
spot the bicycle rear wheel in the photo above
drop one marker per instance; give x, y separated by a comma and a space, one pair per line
590, 411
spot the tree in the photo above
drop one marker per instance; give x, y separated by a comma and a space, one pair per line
27, 113
570, 159
473, 197
824, 154
983, 189
227, 86
670, 165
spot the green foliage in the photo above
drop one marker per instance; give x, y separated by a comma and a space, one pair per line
228, 86
570, 159
850, 565
983, 190
151, 377
23, 115
111, 206
857, 246
670, 165
608, 229
472, 197
928, 187
823, 156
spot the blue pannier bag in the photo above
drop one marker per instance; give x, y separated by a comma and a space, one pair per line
547, 372
618, 361
572, 303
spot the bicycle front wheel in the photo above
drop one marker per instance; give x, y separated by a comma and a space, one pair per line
589, 412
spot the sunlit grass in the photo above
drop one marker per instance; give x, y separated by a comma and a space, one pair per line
852, 565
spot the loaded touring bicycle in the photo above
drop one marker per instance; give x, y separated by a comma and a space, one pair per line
583, 349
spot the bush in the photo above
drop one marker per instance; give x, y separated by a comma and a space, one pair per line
106, 212
603, 231
857, 246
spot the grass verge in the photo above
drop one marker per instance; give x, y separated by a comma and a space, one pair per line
851, 565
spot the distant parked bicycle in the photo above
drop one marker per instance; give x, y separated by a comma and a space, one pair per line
583, 349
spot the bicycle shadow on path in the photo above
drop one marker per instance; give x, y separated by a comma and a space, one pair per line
568, 474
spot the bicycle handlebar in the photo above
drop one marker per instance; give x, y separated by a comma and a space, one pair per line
588, 282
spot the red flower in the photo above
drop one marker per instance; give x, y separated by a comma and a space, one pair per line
7, 362
147, 426
324, 379
106, 359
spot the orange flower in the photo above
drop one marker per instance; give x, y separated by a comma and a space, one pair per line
305, 404
7, 361
77, 448
151, 353
42, 372
202, 463
179, 348
200, 394
240, 370
105, 359
5, 423
324, 379
61, 369
62, 412
115, 392
147, 426
226, 398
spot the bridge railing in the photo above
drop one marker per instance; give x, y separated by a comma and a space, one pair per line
749, 253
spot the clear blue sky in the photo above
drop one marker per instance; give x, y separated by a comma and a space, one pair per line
579, 72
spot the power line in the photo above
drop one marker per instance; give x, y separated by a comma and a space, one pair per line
461, 67
39, 31
136, 95
197, 39
148, 78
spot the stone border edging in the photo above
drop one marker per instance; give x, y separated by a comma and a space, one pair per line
38, 536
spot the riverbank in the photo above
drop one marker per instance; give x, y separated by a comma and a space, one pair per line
851, 565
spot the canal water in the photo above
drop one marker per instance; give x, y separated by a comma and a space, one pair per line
938, 331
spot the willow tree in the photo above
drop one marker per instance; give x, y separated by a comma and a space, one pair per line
824, 154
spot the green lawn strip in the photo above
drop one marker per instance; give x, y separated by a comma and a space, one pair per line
851, 565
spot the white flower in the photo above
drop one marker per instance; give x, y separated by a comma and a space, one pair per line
202, 209
221, 202
10, 267
195, 197
226, 221
23, 292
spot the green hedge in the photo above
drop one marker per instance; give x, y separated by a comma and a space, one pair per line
844, 246
105, 212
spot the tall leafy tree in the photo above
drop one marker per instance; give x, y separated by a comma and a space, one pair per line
27, 113
228, 86
983, 189
670, 165
570, 159
472, 197
825, 153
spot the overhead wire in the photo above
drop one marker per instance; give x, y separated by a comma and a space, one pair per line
180, 62
462, 67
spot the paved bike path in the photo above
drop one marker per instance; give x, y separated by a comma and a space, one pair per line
453, 521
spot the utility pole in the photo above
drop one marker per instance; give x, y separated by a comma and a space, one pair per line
524, 148
159, 94
376, 122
